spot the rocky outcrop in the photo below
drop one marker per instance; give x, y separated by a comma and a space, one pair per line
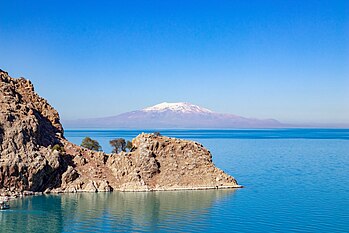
162, 163
30, 127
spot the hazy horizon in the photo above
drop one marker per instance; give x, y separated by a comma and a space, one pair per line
75, 123
258, 59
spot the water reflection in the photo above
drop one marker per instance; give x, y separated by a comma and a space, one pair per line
117, 211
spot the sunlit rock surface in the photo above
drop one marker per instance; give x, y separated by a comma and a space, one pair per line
30, 127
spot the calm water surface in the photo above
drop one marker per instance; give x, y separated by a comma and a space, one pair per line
295, 181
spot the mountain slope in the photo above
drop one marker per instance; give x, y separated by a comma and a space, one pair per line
174, 115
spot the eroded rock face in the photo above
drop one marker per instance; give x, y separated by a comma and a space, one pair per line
30, 127
162, 163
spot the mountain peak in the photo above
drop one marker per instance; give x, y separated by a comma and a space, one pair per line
175, 115
182, 107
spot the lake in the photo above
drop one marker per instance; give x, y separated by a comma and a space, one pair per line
296, 180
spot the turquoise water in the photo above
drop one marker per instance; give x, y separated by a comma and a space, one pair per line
295, 180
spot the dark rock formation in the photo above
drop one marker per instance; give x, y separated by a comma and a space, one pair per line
30, 127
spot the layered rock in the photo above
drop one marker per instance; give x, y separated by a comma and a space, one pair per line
30, 127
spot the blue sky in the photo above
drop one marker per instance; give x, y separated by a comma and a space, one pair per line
287, 60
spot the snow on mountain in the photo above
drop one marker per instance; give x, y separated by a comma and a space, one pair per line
177, 107
174, 115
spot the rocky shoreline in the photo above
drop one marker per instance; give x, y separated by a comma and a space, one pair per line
29, 164
14, 195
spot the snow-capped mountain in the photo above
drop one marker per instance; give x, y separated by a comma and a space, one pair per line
174, 115
177, 107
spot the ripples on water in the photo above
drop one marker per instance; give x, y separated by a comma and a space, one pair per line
293, 184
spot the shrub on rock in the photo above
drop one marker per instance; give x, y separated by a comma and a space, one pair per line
118, 144
91, 144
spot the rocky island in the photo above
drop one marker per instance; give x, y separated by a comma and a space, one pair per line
30, 162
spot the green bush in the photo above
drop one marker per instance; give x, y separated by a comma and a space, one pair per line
118, 144
91, 144
58, 147
129, 145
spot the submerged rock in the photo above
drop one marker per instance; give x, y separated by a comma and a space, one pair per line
30, 127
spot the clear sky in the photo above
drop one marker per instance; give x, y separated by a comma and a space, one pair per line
287, 60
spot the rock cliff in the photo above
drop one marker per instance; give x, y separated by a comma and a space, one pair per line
30, 127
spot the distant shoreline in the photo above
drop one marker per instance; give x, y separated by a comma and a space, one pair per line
286, 133
222, 129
